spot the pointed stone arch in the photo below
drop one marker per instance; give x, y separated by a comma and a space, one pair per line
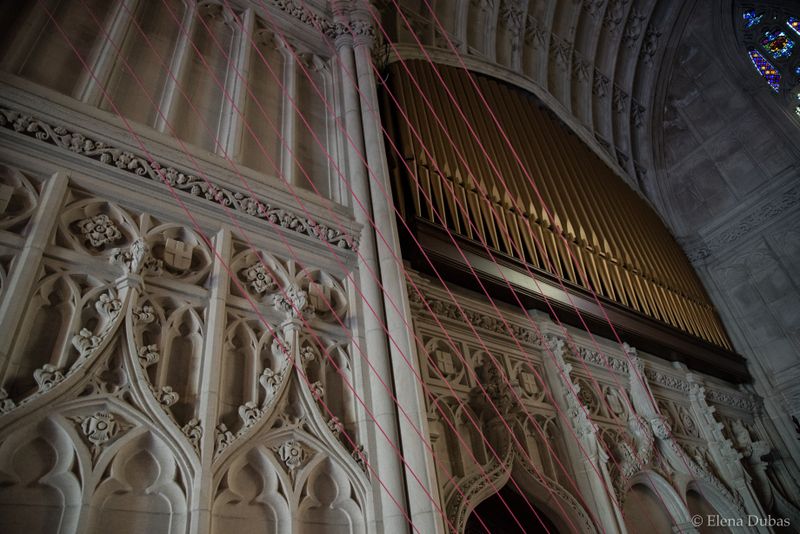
547, 495
658, 488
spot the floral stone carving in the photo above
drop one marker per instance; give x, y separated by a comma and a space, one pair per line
6, 404
137, 259
292, 454
100, 428
47, 376
99, 231
166, 396
148, 355
258, 278
294, 303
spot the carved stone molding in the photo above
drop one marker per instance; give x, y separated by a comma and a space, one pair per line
750, 405
177, 179
666, 380
603, 360
757, 218
477, 319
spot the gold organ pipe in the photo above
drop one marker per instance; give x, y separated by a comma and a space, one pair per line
611, 287
477, 205
477, 120
540, 168
617, 240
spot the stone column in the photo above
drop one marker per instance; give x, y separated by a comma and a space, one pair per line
111, 40
382, 452
20, 282
211, 373
586, 456
726, 458
180, 55
231, 127
408, 389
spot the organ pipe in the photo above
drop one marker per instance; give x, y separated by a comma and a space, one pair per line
596, 232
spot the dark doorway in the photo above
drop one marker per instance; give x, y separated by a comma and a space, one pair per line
498, 519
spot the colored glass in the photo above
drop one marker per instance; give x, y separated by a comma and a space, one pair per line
765, 68
777, 44
751, 18
794, 23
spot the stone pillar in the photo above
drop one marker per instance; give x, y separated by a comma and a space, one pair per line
587, 457
211, 374
231, 127
180, 55
111, 39
726, 458
20, 284
408, 493
408, 390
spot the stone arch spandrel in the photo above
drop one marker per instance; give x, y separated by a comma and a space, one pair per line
250, 493
39, 488
142, 491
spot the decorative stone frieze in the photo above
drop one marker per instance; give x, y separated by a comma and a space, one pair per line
758, 217
176, 179
490, 323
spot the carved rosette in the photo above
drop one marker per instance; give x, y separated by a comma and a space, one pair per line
99, 429
98, 231
292, 454
258, 279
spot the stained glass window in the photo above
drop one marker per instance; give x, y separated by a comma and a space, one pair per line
769, 32
777, 44
765, 68
751, 18
794, 23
